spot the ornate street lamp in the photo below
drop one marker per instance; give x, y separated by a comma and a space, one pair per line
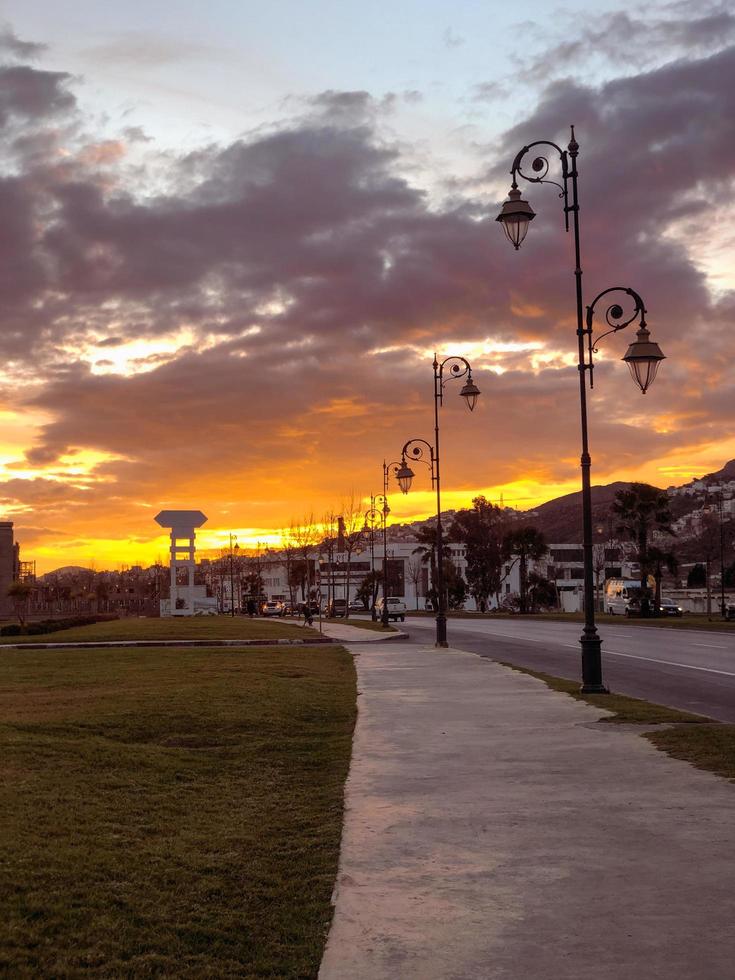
418, 449
383, 500
642, 357
452, 367
234, 546
375, 517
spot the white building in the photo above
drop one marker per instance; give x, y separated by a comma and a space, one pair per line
410, 578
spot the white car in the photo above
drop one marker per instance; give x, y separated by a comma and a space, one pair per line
273, 608
396, 608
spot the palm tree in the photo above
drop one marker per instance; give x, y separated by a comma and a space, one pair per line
659, 560
527, 543
426, 549
640, 510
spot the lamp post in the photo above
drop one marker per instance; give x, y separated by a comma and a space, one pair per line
374, 518
417, 450
723, 604
233, 541
387, 467
642, 357
455, 367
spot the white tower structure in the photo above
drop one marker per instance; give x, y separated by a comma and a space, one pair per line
183, 524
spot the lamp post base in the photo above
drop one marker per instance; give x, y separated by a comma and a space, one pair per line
592, 664
441, 630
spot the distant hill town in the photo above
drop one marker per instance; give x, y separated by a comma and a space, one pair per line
560, 519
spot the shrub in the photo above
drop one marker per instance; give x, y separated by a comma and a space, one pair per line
54, 625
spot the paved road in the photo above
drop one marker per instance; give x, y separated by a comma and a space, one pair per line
689, 669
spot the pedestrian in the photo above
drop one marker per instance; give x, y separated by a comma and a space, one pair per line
251, 608
308, 617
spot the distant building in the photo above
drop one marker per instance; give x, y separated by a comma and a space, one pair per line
8, 567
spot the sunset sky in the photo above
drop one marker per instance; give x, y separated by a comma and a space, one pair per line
233, 234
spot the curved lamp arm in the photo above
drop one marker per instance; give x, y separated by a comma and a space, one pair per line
541, 168
516, 214
643, 355
457, 367
416, 450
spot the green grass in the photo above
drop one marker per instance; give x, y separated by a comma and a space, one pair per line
364, 624
625, 710
173, 628
710, 747
696, 739
171, 812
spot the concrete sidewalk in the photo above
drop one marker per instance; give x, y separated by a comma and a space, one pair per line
496, 831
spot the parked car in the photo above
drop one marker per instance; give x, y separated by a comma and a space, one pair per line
396, 608
669, 608
356, 606
273, 608
730, 611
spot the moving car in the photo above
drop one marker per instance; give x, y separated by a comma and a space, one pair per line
273, 608
669, 608
396, 608
623, 597
337, 608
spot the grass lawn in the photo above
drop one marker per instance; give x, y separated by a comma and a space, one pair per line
171, 812
173, 628
362, 624
701, 741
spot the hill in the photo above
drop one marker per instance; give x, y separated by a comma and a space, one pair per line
722, 476
561, 519
63, 572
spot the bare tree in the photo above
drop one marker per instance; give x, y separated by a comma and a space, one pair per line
328, 530
305, 538
288, 550
353, 523
415, 573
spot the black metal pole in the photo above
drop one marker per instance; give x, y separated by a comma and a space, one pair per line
441, 615
723, 607
590, 639
372, 559
384, 612
232, 581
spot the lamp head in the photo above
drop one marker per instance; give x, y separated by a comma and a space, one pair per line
404, 475
643, 358
470, 392
515, 216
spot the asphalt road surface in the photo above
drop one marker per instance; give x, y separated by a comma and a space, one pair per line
693, 670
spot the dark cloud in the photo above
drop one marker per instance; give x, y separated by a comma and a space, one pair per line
12, 46
650, 35
283, 264
32, 94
